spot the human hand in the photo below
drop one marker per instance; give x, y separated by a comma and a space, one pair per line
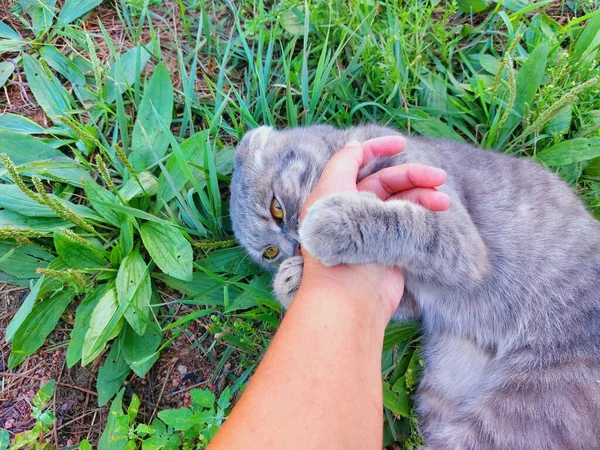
379, 287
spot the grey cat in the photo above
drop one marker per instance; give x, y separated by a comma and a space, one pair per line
506, 282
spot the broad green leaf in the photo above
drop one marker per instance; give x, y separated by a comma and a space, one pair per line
396, 402
181, 419
44, 395
191, 149
62, 64
113, 437
123, 71
39, 324
24, 311
10, 219
10, 40
83, 316
24, 260
149, 142
18, 124
473, 6
571, 151
100, 330
47, 90
133, 273
225, 398
398, 332
146, 184
6, 70
4, 440
433, 93
79, 256
171, 252
291, 23
140, 352
203, 398
14, 200
25, 150
100, 199
112, 374
201, 285
561, 122
434, 127
230, 260
85, 445
490, 64
74, 9
528, 82
41, 13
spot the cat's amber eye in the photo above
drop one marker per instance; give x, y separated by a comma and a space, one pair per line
276, 209
271, 252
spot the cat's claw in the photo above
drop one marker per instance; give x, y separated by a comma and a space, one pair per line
331, 231
287, 280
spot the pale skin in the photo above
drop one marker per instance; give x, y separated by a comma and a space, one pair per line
319, 383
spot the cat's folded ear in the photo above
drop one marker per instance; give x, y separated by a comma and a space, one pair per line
252, 143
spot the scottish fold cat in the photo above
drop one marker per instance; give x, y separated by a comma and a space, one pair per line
506, 282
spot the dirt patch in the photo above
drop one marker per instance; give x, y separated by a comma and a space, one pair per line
184, 365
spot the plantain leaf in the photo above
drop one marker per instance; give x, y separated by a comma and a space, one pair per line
78, 255
23, 260
191, 150
105, 323
112, 374
82, 323
123, 71
18, 124
140, 352
47, 90
149, 142
571, 151
74, 9
171, 252
10, 40
473, 6
6, 70
32, 153
101, 199
38, 325
24, 311
133, 286
397, 402
146, 184
398, 332
62, 65
41, 13
14, 200
10, 219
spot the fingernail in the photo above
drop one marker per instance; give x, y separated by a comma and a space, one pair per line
352, 143
440, 172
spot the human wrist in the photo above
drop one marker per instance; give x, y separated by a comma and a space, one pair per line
357, 302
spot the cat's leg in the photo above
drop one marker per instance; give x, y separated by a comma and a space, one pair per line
444, 247
287, 280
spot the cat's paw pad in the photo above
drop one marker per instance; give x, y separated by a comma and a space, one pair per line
287, 280
331, 231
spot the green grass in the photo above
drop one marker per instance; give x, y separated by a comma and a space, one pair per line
125, 190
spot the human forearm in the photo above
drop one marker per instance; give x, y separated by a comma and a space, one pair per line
297, 398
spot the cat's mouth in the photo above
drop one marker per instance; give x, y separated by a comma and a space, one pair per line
298, 251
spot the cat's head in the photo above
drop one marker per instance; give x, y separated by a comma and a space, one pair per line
274, 172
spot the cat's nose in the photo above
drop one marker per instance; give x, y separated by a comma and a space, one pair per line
298, 250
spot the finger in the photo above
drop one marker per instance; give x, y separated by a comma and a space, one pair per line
426, 197
343, 167
393, 180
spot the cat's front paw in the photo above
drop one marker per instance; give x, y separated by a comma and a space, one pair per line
287, 280
332, 230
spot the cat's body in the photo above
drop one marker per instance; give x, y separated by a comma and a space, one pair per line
506, 282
